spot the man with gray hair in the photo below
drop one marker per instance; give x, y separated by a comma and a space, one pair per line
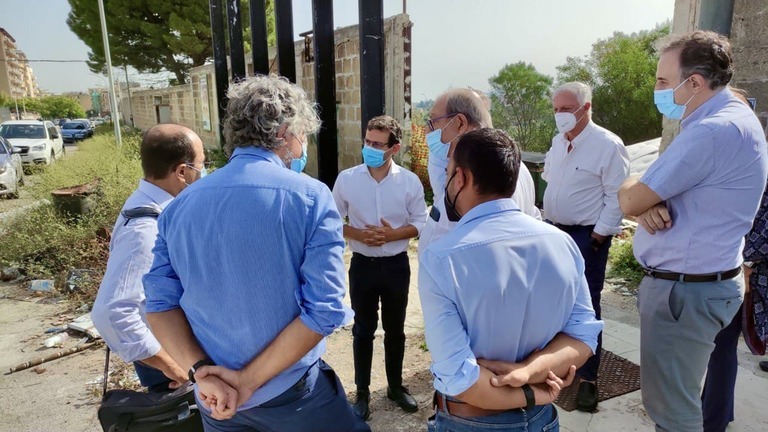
455, 113
584, 169
248, 276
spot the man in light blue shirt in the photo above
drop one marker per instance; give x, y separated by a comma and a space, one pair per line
248, 276
694, 204
172, 158
499, 286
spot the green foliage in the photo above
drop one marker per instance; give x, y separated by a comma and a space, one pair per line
621, 70
152, 35
42, 242
51, 107
622, 262
521, 105
6, 101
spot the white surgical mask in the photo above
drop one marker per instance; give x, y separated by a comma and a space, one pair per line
566, 121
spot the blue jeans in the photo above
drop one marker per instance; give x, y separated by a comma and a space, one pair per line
541, 418
316, 403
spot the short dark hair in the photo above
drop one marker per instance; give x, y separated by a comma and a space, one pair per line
386, 123
705, 53
161, 151
492, 157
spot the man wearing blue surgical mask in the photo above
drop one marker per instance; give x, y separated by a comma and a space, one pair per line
695, 204
455, 113
385, 206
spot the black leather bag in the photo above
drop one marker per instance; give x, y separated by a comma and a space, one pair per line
128, 410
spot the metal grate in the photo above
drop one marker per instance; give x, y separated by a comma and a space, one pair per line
616, 376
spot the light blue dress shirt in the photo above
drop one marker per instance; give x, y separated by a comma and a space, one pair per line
244, 252
499, 286
118, 312
712, 178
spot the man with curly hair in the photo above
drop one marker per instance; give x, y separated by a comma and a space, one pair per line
248, 276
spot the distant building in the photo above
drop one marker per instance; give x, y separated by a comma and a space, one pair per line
16, 76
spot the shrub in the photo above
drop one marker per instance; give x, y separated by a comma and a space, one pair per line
622, 262
45, 244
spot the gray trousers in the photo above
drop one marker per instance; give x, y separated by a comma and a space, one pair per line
678, 325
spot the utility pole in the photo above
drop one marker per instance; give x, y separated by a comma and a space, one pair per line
113, 100
130, 101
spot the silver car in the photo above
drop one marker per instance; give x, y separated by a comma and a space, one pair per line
11, 170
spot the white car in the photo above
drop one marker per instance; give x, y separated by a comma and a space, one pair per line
11, 171
37, 142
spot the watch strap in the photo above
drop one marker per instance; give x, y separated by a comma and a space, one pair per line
530, 399
198, 365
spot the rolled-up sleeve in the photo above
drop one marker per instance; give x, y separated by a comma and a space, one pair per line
454, 365
162, 285
322, 271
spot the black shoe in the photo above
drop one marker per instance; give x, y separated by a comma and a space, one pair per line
361, 406
764, 366
403, 399
586, 398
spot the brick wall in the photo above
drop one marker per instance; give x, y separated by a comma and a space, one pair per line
186, 102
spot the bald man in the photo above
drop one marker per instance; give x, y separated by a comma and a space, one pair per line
172, 158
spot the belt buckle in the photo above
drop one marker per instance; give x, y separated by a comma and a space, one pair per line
649, 273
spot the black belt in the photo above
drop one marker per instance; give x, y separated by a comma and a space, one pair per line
572, 228
387, 258
682, 277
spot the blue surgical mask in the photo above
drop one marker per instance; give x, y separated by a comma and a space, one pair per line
203, 172
297, 165
372, 157
665, 102
437, 147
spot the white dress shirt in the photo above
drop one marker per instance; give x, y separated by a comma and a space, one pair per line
398, 199
119, 310
524, 196
582, 185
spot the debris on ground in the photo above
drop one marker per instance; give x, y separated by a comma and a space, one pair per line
77, 279
8, 274
41, 285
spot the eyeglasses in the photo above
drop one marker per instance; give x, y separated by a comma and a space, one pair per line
377, 145
431, 122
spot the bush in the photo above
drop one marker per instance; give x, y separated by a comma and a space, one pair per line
622, 262
45, 244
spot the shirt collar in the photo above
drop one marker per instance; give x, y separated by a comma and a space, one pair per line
155, 193
580, 138
394, 169
709, 107
259, 152
489, 208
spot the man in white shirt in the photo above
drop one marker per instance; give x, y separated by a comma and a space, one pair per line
455, 113
584, 169
385, 206
172, 157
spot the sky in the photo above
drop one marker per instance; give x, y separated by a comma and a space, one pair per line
456, 43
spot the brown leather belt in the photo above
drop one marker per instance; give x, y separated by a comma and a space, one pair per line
681, 277
463, 409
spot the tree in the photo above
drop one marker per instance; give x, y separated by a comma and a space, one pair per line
520, 105
622, 72
54, 107
151, 35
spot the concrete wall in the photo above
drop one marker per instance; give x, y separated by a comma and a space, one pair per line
187, 102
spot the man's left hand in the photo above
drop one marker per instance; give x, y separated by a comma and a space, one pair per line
656, 218
597, 240
384, 231
236, 379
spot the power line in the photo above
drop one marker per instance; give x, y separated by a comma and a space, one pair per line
42, 61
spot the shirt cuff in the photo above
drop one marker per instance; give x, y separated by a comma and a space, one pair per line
137, 351
605, 230
457, 381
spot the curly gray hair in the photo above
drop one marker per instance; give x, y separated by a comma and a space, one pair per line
259, 106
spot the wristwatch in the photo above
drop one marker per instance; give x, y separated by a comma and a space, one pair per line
198, 365
530, 399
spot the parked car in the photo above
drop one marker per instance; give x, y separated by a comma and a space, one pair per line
37, 142
60, 122
11, 170
88, 126
74, 131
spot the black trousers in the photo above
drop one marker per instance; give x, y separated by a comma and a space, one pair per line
374, 280
595, 262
